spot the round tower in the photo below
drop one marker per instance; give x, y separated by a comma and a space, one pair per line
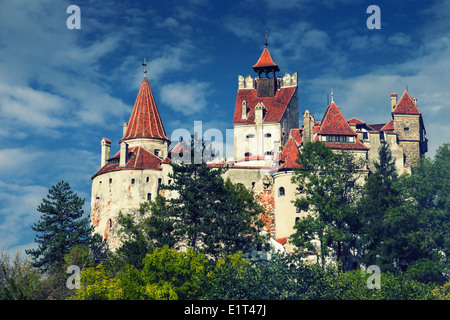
134, 174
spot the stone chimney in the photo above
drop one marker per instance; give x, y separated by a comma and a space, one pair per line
393, 101
125, 127
123, 154
106, 151
308, 126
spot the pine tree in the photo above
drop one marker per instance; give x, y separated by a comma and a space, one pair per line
60, 227
380, 194
209, 215
329, 182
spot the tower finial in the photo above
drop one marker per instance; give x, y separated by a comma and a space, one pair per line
266, 40
145, 68
332, 99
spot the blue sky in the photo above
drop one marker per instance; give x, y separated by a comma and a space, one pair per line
62, 90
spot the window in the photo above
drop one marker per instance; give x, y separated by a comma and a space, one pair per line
133, 181
281, 192
268, 153
365, 135
247, 154
337, 139
297, 219
406, 129
147, 179
110, 223
267, 135
110, 180
156, 152
149, 196
250, 136
253, 184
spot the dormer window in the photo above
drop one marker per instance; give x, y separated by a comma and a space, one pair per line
336, 138
156, 152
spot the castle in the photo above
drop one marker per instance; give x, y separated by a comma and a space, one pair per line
267, 140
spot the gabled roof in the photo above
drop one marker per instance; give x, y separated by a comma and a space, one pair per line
354, 121
265, 61
334, 123
275, 106
145, 121
406, 105
139, 158
388, 126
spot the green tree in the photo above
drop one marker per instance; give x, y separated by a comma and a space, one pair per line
18, 281
329, 182
427, 190
209, 215
60, 227
380, 194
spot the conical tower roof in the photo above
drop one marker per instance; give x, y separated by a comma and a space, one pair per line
265, 62
145, 121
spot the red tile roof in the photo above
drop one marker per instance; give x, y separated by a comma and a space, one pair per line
406, 105
275, 106
296, 134
334, 123
145, 121
289, 155
265, 61
388, 126
281, 240
140, 159
354, 121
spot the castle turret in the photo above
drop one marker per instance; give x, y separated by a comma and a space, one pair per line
408, 124
133, 175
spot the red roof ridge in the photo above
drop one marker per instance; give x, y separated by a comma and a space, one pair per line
355, 120
145, 121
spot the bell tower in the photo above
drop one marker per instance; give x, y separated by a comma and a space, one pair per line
266, 110
266, 86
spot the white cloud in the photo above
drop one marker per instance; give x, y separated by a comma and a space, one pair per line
186, 97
